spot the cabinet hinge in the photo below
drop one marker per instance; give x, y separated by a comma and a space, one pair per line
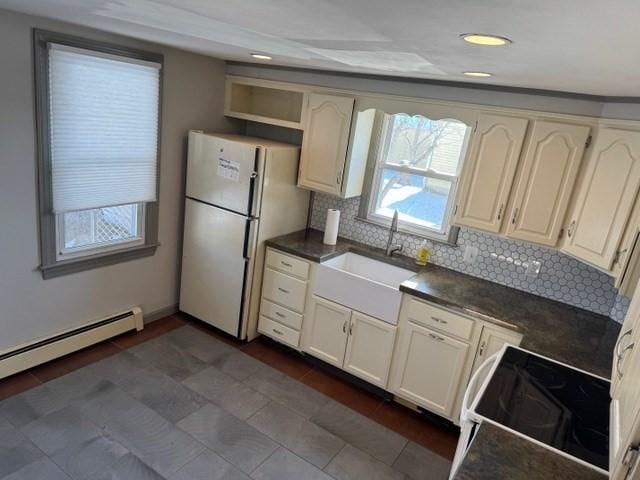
587, 144
630, 459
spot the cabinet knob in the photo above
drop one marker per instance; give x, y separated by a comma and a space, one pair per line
344, 327
500, 211
482, 347
515, 216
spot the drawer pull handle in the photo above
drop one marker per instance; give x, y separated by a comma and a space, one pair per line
436, 337
344, 327
277, 332
280, 315
286, 264
482, 347
283, 290
439, 320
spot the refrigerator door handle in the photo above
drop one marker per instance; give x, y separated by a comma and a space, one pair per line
249, 236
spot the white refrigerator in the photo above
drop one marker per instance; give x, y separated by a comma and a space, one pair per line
240, 191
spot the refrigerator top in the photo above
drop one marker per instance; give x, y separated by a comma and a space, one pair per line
255, 142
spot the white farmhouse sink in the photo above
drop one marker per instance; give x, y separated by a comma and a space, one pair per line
363, 284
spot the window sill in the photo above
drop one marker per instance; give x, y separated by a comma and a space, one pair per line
90, 262
451, 240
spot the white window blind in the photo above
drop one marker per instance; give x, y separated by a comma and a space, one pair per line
103, 128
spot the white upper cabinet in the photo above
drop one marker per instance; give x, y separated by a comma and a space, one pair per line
325, 142
605, 197
489, 172
548, 171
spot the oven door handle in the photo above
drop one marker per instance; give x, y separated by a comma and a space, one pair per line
471, 387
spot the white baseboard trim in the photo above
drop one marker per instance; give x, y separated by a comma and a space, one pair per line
160, 313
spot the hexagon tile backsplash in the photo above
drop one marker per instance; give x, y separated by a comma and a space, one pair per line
499, 260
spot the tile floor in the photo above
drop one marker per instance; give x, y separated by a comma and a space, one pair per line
179, 401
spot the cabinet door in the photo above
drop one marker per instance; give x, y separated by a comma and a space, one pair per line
493, 339
326, 331
548, 173
489, 173
427, 368
605, 197
369, 349
324, 143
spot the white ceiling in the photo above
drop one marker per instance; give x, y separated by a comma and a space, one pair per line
582, 46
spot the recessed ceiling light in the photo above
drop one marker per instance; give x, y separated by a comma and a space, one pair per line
477, 74
484, 39
260, 56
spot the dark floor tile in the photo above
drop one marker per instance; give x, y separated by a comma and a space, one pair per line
151, 330
342, 391
284, 465
360, 431
16, 451
420, 463
209, 466
354, 464
69, 363
18, 383
211, 330
26, 407
288, 362
415, 427
41, 469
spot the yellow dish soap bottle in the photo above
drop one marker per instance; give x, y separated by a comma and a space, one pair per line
422, 255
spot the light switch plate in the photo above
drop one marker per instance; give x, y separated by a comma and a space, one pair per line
470, 254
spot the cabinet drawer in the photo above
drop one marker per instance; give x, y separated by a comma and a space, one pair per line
283, 289
279, 332
280, 314
429, 316
287, 264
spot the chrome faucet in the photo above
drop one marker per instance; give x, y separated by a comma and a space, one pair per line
391, 248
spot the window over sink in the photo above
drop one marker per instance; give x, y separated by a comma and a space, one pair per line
415, 171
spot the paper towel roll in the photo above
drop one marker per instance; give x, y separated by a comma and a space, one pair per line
331, 227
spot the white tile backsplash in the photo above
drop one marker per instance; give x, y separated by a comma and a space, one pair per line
499, 260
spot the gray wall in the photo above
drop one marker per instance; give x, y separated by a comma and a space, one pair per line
30, 307
500, 97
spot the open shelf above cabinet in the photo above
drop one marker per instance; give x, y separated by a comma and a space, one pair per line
260, 101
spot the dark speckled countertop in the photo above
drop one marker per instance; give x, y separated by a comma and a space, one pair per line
553, 329
495, 453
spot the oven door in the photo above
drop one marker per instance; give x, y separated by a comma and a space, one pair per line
469, 421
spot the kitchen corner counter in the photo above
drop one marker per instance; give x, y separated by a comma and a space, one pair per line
497, 453
561, 332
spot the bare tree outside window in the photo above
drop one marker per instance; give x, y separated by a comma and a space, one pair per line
417, 170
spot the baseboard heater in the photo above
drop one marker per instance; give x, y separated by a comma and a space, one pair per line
68, 341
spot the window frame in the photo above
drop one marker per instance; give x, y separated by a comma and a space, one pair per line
52, 264
372, 182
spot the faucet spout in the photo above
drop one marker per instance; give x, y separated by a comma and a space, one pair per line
393, 228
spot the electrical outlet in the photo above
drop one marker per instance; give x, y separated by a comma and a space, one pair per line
470, 254
533, 269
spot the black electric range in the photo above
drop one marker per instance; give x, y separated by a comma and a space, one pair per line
557, 405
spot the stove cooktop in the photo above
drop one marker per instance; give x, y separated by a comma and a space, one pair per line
557, 405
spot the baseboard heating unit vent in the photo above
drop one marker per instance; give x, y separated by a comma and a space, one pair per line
63, 343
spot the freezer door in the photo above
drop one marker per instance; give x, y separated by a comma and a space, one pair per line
222, 172
214, 265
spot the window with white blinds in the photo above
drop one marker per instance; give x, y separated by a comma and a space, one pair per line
103, 127
98, 108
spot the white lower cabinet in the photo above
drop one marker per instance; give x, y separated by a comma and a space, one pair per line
428, 368
326, 331
493, 339
357, 343
369, 349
